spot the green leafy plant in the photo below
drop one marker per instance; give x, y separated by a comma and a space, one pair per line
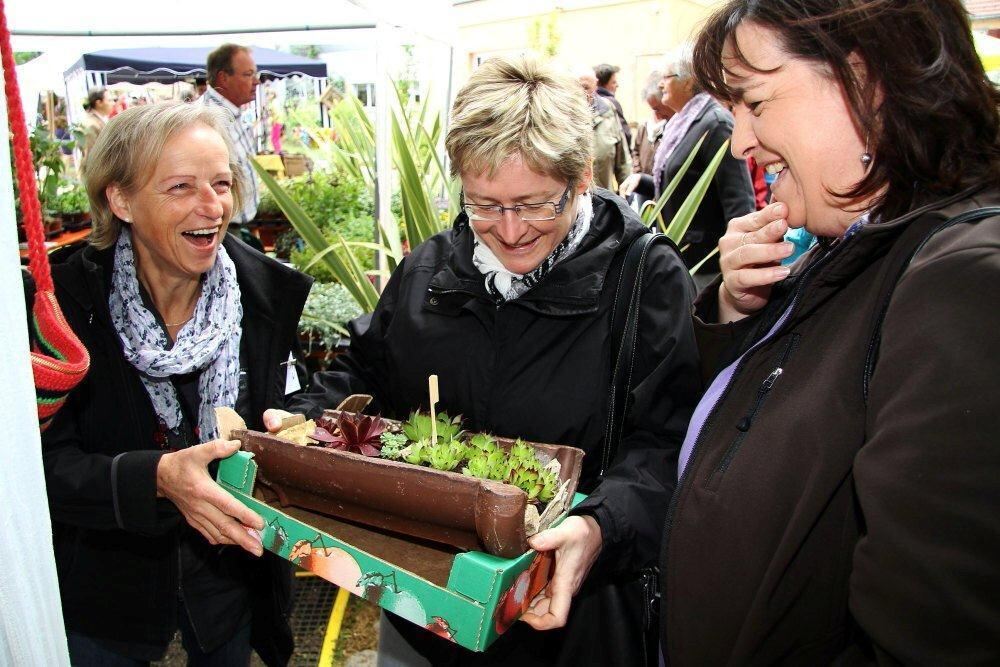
678, 226
328, 309
417, 427
392, 445
69, 198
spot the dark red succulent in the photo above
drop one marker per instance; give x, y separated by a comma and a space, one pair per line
350, 433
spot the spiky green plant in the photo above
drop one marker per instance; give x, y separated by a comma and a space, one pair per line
445, 455
415, 452
418, 427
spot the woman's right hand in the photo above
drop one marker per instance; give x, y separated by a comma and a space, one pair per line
182, 477
629, 185
750, 253
273, 418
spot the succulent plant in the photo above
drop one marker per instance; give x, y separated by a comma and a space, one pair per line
479, 466
418, 427
483, 442
415, 453
446, 455
352, 433
522, 453
392, 444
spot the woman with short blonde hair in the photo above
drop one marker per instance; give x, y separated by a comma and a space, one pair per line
512, 308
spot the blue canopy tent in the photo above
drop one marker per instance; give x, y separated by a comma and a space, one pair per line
165, 65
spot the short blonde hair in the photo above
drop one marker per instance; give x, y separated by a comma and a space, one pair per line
521, 106
128, 148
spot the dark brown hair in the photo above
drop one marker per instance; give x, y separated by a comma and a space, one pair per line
221, 60
936, 128
604, 72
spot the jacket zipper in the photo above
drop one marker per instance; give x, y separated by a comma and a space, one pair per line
672, 506
743, 426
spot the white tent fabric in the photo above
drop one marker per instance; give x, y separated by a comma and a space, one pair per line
31, 625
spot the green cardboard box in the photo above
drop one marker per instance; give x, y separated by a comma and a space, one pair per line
470, 598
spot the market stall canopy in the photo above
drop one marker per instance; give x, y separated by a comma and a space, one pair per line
169, 64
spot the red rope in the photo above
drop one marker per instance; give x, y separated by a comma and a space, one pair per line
28, 188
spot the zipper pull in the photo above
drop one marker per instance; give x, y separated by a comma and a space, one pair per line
769, 382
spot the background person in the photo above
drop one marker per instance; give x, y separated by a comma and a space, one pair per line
838, 499
523, 285
178, 318
232, 83
98, 108
607, 86
610, 150
647, 138
696, 114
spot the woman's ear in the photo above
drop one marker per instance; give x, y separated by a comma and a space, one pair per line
585, 179
118, 202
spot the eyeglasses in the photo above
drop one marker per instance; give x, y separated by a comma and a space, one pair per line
252, 74
540, 212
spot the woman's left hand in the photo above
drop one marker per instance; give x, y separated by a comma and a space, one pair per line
577, 543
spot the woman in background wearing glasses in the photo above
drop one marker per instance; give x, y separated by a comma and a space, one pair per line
511, 308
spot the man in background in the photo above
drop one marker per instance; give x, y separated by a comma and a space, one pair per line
607, 86
612, 162
232, 82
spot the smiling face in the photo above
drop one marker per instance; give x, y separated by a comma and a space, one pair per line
795, 122
520, 246
179, 216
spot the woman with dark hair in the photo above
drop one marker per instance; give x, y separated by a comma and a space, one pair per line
838, 496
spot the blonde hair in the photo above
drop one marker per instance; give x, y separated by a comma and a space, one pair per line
521, 106
128, 148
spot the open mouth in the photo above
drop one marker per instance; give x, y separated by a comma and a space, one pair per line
775, 168
202, 238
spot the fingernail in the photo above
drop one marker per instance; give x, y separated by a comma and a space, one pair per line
788, 248
782, 271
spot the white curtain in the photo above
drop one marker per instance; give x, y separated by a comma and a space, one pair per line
31, 623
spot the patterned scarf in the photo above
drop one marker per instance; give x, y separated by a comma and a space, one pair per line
674, 132
503, 285
209, 341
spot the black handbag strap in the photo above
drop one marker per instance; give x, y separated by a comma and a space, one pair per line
972, 216
624, 332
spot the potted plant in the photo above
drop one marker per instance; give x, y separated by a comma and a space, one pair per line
71, 204
323, 325
425, 477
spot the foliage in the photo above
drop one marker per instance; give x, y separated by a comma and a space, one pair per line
47, 157
351, 433
678, 226
392, 445
543, 34
418, 427
483, 457
70, 198
21, 57
346, 269
328, 309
